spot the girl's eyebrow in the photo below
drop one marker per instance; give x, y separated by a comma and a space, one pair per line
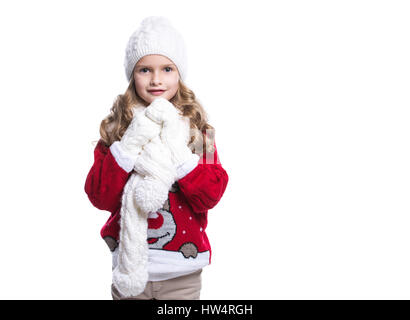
164, 65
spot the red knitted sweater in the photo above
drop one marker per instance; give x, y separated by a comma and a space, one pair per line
179, 227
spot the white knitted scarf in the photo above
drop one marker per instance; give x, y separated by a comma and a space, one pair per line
141, 195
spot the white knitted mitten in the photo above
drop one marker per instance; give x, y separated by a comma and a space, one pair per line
175, 133
138, 133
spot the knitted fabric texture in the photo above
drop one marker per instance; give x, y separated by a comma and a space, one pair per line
156, 35
145, 192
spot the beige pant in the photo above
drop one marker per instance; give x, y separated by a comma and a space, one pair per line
186, 287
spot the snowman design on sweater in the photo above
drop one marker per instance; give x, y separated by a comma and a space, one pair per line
162, 229
164, 233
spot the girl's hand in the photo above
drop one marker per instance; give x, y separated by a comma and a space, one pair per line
175, 133
140, 130
162, 111
155, 161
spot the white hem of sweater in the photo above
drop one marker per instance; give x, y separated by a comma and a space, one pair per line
164, 264
187, 166
123, 159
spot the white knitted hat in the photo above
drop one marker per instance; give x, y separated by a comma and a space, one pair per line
156, 35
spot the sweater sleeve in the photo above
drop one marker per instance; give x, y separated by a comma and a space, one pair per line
205, 185
105, 180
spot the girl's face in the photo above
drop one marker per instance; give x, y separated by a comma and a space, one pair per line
155, 72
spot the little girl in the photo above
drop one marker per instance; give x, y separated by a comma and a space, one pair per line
157, 171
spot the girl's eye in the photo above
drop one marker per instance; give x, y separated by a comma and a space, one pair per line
166, 68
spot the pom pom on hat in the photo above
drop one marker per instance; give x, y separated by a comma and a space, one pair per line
156, 35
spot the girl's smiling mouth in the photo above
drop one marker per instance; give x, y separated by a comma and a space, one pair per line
156, 92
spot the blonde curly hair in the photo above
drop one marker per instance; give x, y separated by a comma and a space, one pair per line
114, 125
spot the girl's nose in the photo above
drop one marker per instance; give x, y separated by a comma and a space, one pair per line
155, 81
155, 78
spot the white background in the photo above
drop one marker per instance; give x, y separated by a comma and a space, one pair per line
310, 100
